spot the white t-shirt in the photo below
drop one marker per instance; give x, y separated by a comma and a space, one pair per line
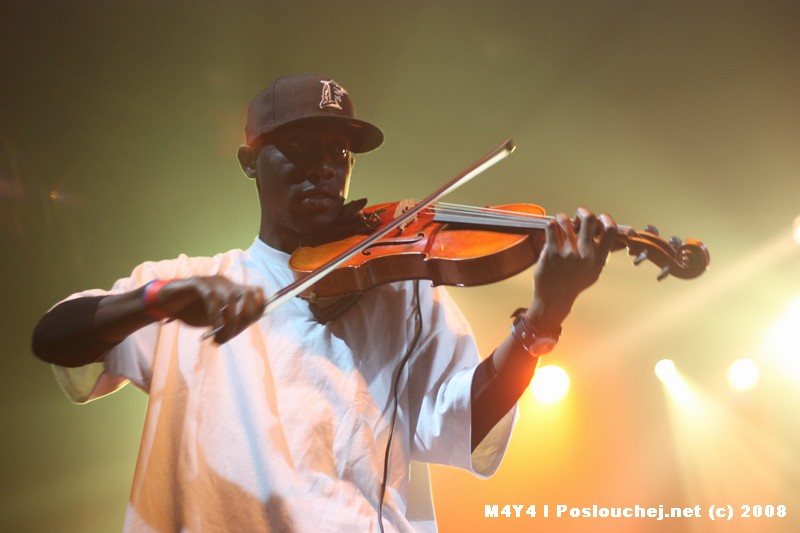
285, 427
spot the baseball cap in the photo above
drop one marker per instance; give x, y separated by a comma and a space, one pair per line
303, 97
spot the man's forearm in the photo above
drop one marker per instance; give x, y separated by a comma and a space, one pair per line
80, 331
497, 384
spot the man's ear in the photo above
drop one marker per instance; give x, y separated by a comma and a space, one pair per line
248, 157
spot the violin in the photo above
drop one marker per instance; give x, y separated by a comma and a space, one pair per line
467, 246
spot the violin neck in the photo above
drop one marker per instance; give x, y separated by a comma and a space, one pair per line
504, 220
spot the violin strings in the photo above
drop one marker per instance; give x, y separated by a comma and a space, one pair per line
521, 220
490, 211
488, 216
465, 214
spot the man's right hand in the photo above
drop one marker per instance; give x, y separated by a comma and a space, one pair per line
212, 301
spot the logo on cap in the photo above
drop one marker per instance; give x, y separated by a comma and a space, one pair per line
332, 94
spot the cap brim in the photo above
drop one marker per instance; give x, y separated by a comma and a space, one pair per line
364, 137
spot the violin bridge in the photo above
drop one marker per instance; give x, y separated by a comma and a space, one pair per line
402, 207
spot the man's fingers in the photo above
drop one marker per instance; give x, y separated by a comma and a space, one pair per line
551, 233
244, 306
231, 314
608, 236
565, 230
213, 305
588, 228
253, 305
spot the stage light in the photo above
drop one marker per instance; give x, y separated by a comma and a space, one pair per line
550, 384
743, 374
665, 371
61, 197
796, 230
782, 342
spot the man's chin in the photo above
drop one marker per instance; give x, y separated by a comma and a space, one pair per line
316, 215
311, 223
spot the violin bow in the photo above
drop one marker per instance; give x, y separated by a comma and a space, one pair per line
301, 284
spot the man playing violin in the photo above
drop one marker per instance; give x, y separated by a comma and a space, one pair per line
307, 418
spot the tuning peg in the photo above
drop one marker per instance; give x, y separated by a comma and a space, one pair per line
640, 258
675, 242
651, 229
664, 273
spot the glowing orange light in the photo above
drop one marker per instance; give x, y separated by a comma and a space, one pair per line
550, 384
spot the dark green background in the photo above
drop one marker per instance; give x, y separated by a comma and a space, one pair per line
119, 123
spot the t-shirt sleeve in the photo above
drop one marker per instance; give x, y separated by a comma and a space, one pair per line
440, 388
130, 360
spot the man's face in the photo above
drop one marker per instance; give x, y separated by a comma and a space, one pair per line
303, 173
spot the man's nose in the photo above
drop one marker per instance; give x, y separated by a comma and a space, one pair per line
319, 166
320, 170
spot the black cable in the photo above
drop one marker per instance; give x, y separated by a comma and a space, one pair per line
395, 400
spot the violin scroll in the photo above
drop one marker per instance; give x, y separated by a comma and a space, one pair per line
682, 259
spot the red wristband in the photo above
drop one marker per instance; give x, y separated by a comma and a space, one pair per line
150, 299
